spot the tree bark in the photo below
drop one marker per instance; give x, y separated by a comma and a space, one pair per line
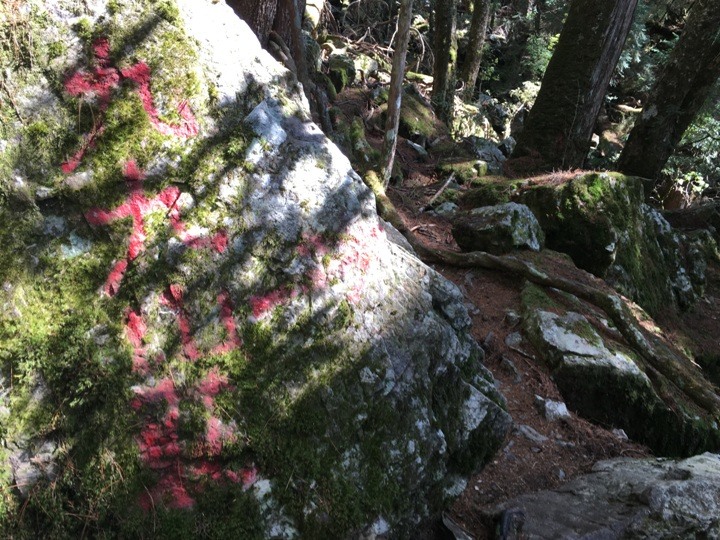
396, 80
559, 126
678, 94
258, 14
476, 41
445, 49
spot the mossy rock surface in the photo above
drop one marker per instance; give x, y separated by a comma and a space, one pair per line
604, 381
205, 330
602, 222
417, 118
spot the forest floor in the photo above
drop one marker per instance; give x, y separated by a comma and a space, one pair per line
573, 445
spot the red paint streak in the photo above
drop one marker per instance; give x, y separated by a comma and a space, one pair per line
173, 298
170, 491
176, 464
213, 383
312, 245
135, 329
262, 304
140, 75
233, 340
137, 206
100, 83
164, 390
112, 283
220, 241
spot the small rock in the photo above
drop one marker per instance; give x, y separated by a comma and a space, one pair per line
447, 209
530, 434
552, 410
514, 340
511, 368
620, 434
511, 317
54, 226
498, 229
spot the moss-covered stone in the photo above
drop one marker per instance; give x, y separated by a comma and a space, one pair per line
601, 221
466, 171
417, 119
205, 331
341, 71
604, 382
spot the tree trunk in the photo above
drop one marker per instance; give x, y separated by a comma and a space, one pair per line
678, 94
559, 126
396, 80
288, 25
258, 14
445, 49
476, 41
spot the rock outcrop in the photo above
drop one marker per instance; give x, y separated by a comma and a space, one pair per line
601, 221
227, 342
498, 229
605, 381
624, 498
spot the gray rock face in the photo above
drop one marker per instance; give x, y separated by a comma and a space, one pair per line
30, 465
626, 498
602, 381
487, 151
227, 334
600, 220
498, 229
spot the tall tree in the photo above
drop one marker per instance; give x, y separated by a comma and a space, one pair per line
559, 127
395, 96
445, 50
258, 14
678, 94
476, 41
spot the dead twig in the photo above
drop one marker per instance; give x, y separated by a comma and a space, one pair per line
439, 192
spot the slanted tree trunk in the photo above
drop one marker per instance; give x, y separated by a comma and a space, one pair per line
678, 94
559, 126
258, 14
396, 80
476, 41
445, 49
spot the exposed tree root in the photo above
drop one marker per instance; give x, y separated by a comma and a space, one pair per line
660, 362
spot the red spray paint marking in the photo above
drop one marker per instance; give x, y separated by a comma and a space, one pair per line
173, 298
161, 450
137, 206
233, 340
102, 81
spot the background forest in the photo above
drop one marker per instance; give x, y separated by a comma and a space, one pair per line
482, 62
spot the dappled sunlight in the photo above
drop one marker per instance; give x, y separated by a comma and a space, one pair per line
244, 325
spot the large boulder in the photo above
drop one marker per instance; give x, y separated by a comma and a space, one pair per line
602, 222
498, 229
205, 329
623, 498
604, 380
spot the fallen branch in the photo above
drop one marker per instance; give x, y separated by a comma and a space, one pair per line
656, 356
440, 191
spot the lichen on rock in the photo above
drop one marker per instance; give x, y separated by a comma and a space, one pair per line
226, 342
605, 381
